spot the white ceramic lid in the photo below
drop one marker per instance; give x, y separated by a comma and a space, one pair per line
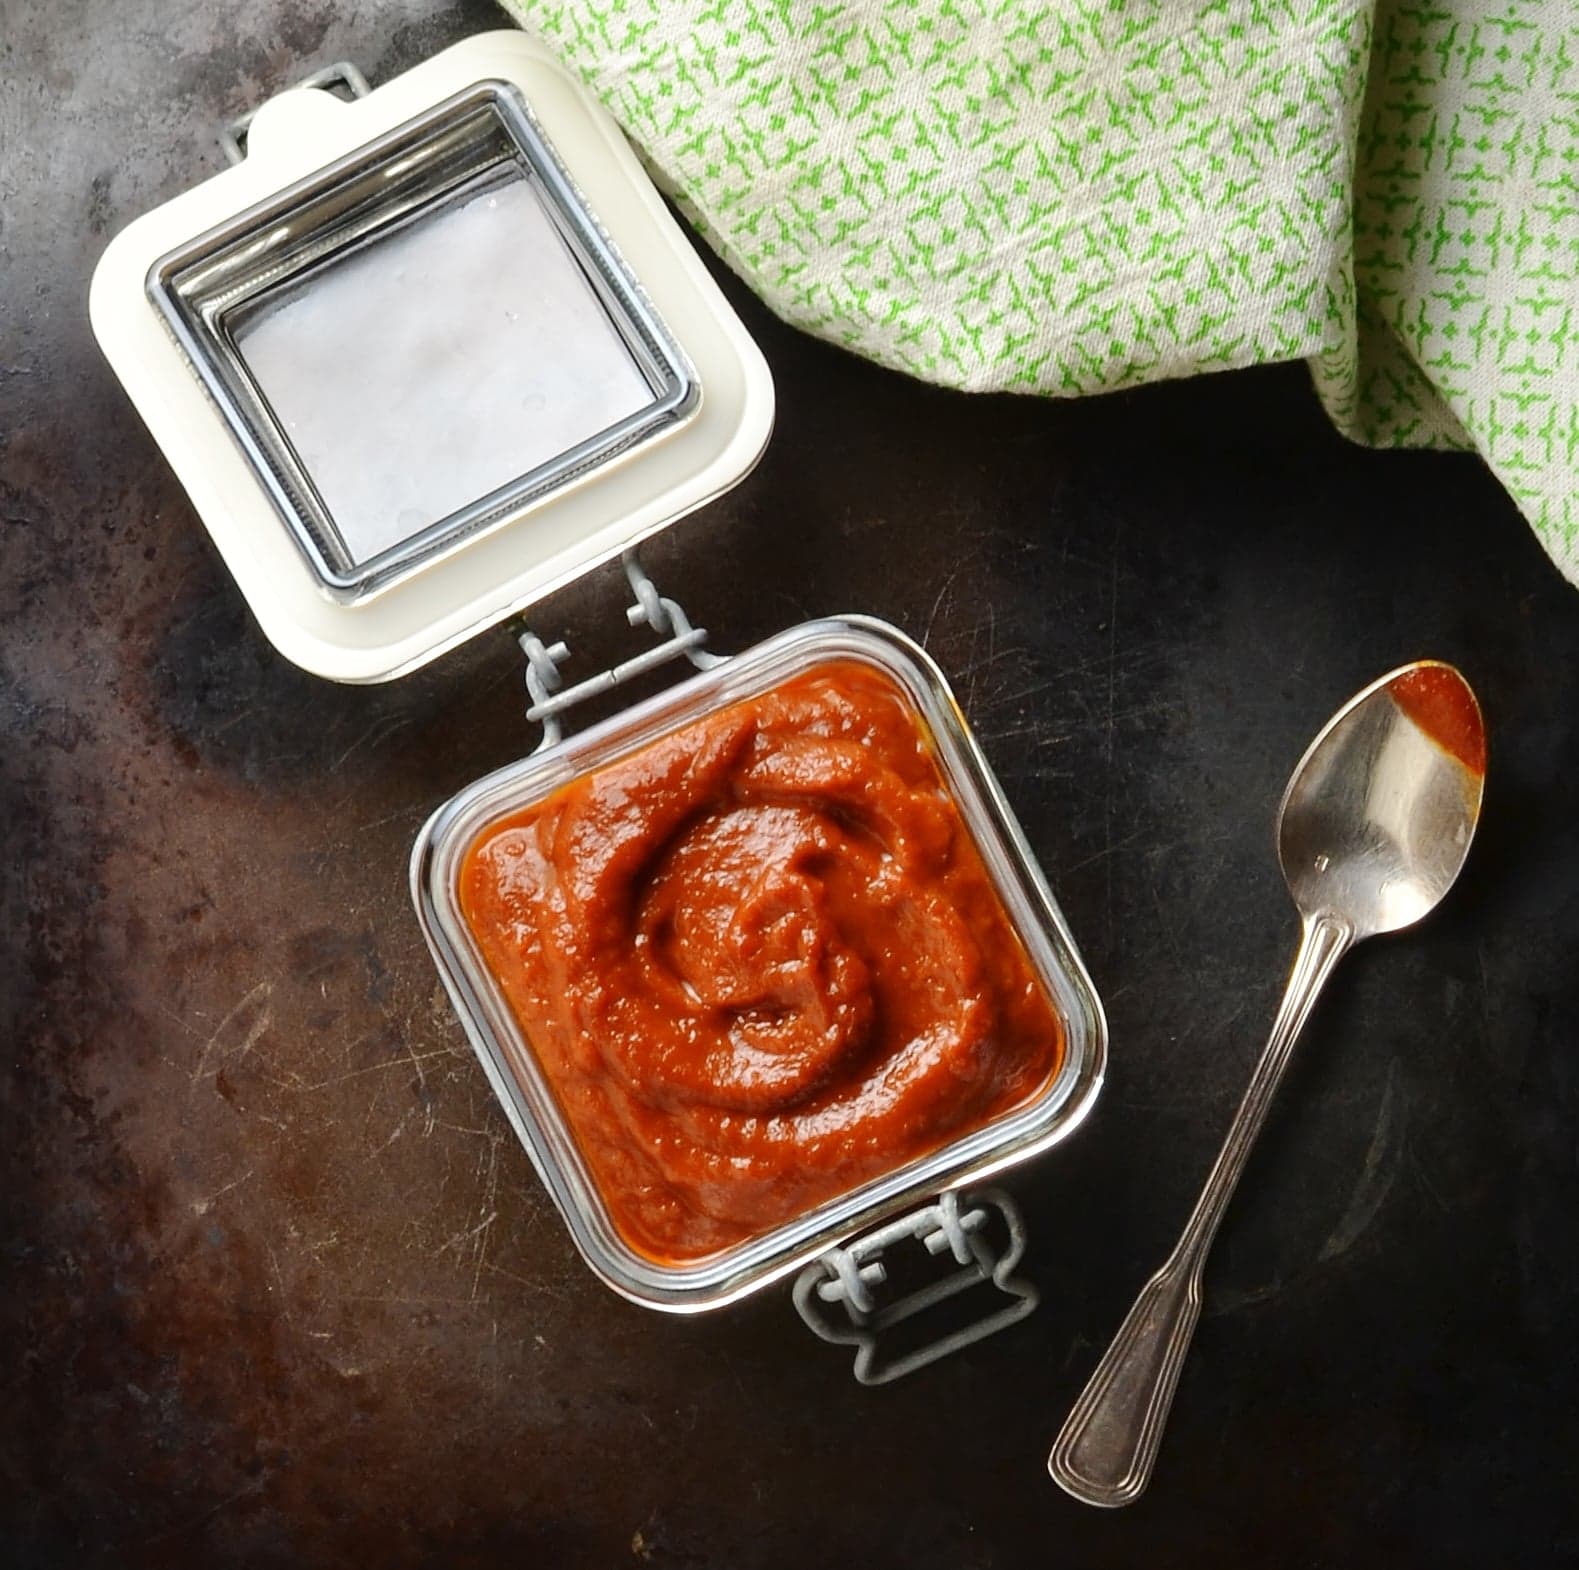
532, 548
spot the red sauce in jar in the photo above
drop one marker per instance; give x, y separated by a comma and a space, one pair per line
760, 962
1440, 702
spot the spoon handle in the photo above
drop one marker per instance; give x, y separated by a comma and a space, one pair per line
1106, 1449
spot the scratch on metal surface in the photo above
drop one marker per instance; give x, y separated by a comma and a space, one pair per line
175, 1019
237, 719
1422, 1172
370, 1068
261, 993
201, 1207
993, 658
1108, 743
973, 666
416, 1062
316, 1248
389, 817
484, 1227
458, 1240
1230, 1302
1485, 985
398, 1130
378, 732
531, 1286
396, 1300
252, 1486
1107, 850
937, 605
1377, 1174
1038, 736
1019, 697
279, 1280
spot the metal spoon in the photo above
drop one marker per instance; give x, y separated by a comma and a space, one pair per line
1373, 828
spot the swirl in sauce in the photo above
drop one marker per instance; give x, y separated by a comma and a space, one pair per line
760, 962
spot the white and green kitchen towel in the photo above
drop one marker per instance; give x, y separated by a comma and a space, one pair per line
1079, 195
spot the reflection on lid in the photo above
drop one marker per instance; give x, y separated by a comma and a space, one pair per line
437, 364
422, 340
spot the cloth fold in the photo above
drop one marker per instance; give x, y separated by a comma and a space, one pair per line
1083, 195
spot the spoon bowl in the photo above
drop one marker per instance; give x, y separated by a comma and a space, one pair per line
1372, 831
1379, 814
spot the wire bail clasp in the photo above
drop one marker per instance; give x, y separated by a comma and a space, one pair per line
957, 1225
666, 617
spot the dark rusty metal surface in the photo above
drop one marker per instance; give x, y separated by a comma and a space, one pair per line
278, 1287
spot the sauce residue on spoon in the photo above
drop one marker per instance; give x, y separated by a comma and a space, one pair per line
1439, 701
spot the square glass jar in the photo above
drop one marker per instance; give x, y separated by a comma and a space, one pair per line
525, 1090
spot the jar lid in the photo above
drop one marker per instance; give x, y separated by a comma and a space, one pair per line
422, 357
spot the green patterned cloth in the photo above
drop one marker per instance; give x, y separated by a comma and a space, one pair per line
1080, 195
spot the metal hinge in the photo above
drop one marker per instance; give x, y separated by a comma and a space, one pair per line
666, 617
